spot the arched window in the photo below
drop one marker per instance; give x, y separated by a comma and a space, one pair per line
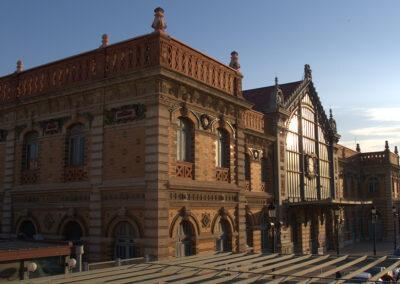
224, 240
264, 170
76, 146
373, 185
73, 231
249, 231
223, 149
184, 140
31, 151
125, 235
26, 230
185, 245
247, 174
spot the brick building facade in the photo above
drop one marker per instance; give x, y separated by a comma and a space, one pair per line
150, 147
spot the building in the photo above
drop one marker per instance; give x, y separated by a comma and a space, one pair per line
374, 176
150, 147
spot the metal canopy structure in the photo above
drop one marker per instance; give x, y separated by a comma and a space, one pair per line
238, 268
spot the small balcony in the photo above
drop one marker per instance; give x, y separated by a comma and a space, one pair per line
29, 176
222, 174
75, 173
184, 169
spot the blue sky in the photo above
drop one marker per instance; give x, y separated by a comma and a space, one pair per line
353, 47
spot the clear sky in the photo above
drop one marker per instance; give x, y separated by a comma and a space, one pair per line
353, 47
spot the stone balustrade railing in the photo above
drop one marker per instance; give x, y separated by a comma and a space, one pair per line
254, 120
141, 52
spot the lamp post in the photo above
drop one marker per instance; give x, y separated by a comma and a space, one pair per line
374, 219
394, 210
272, 215
336, 212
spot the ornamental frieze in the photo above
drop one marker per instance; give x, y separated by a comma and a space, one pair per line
52, 198
124, 114
199, 196
122, 195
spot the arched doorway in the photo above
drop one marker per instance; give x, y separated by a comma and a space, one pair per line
125, 245
72, 231
266, 238
186, 243
249, 231
224, 233
26, 230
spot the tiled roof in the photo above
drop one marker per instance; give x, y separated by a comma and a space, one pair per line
262, 98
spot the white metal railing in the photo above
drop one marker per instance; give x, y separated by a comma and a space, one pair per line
112, 263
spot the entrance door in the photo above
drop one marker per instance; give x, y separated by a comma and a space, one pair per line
224, 242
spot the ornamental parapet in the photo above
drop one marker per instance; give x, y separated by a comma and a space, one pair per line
142, 52
253, 120
202, 196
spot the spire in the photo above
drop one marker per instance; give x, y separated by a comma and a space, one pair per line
358, 149
104, 40
386, 145
307, 72
234, 60
159, 24
332, 121
396, 151
20, 66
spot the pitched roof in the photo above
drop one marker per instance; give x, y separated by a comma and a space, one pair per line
263, 98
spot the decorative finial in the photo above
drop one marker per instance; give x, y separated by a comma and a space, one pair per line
332, 121
104, 40
234, 60
396, 151
159, 24
20, 66
386, 145
278, 94
358, 149
307, 72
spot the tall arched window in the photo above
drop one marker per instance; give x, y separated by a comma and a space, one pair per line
224, 240
76, 146
26, 230
185, 245
125, 235
73, 231
249, 231
184, 141
373, 185
223, 149
31, 151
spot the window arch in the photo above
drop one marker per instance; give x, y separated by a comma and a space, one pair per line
31, 151
125, 246
76, 146
26, 230
72, 231
249, 231
185, 245
247, 167
184, 140
223, 148
224, 236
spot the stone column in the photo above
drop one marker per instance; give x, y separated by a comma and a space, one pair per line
8, 182
156, 225
95, 172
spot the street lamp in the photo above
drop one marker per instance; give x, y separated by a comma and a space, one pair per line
30, 268
374, 219
272, 215
394, 210
336, 212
